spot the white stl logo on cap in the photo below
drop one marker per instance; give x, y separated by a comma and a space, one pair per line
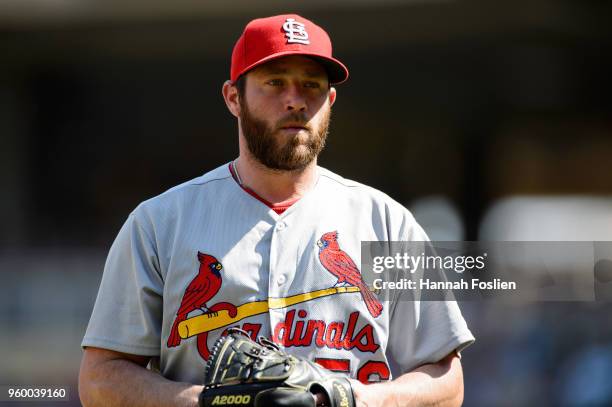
295, 32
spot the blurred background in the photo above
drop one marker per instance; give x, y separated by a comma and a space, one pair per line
490, 120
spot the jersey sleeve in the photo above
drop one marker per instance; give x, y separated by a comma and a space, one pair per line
423, 331
127, 314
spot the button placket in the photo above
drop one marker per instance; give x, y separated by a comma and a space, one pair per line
277, 275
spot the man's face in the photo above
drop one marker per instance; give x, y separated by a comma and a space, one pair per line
285, 111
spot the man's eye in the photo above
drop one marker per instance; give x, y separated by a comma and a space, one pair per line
275, 82
312, 85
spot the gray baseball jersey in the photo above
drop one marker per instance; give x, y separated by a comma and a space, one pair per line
206, 256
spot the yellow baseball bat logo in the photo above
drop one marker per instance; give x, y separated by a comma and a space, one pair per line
209, 322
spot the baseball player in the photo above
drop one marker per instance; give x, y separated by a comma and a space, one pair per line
268, 243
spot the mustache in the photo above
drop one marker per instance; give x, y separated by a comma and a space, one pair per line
294, 119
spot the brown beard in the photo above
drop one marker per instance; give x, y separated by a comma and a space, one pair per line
262, 143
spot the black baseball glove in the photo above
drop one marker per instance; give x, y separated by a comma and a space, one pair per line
245, 373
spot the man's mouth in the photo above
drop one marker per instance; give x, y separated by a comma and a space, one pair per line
294, 126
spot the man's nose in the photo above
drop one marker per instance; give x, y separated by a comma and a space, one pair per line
295, 100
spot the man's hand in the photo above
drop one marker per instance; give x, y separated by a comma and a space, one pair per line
366, 396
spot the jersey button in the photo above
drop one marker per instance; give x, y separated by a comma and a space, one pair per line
280, 226
281, 279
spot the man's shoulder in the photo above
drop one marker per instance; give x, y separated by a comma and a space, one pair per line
356, 189
357, 196
210, 182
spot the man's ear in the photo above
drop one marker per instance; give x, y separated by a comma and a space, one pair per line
231, 97
332, 96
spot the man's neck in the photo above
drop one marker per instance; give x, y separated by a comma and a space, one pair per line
272, 185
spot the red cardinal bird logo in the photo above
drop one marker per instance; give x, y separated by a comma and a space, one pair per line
342, 266
201, 289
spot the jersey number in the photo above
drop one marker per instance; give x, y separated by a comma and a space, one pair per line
370, 372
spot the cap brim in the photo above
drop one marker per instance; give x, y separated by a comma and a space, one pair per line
336, 70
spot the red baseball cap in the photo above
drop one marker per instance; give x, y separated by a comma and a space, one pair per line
268, 38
